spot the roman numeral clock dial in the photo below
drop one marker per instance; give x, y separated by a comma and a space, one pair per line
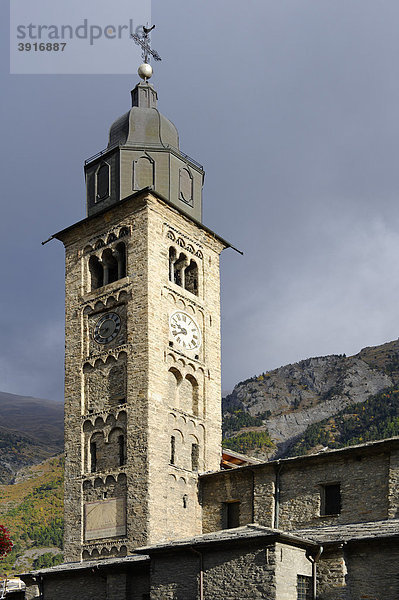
107, 328
184, 330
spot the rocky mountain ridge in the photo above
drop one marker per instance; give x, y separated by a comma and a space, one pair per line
296, 396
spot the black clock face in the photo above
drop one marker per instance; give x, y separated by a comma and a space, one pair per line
107, 328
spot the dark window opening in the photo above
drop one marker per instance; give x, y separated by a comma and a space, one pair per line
122, 453
93, 457
103, 182
110, 267
331, 501
120, 255
194, 457
231, 515
179, 267
191, 278
172, 260
304, 588
183, 272
124, 232
172, 450
185, 499
96, 273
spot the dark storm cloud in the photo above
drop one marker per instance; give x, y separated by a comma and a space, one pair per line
293, 109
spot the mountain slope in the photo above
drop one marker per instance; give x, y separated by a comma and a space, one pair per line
32, 510
31, 430
375, 419
291, 398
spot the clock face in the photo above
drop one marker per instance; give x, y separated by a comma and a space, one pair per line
107, 328
184, 330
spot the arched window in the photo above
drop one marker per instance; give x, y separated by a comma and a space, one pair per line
174, 379
120, 255
122, 450
117, 383
188, 395
93, 457
191, 277
111, 238
172, 260
180, 265
194, 456
124, 232
96, 273
110, 267
172, 450
116, 448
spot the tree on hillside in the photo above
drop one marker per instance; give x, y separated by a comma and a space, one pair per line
5, 541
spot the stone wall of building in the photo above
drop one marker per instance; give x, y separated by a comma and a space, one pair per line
364, 485
255, 571
373, 570
123, 582
184, 383
175, 576
85, 586
331, 575
366, 480
290, 562
223, 488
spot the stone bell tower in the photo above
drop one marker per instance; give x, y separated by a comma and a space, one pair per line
142, 364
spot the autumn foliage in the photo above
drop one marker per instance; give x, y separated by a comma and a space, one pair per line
5, 541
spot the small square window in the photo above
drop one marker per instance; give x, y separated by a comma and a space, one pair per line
304, 588
331, 499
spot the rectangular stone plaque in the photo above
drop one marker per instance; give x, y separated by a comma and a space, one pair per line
105, 519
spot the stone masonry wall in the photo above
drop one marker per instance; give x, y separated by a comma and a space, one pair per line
84, 586
331, 575
290, 562
175, 577
363, 478
161, 498
373, 570
228, 574
85, 401
363, 481
223, 488
184, 384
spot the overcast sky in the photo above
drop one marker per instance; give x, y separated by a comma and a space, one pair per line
293, 108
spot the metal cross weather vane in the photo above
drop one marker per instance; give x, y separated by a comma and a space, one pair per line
145, 43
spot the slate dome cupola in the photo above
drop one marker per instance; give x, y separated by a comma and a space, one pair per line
143, 151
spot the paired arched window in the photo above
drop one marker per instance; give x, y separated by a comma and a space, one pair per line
107, 454
183, 271
110, 268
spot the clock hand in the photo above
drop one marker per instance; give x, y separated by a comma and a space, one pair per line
182, 330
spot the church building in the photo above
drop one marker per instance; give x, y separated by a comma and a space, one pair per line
150, 513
